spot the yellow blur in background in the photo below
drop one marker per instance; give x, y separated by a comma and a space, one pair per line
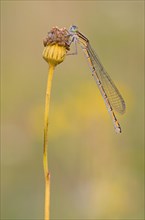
95, 173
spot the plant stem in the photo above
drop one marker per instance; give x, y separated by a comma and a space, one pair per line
45, 157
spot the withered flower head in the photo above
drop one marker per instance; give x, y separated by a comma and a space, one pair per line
56, 45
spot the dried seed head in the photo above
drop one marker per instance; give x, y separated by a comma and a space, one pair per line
56, 45
58, 36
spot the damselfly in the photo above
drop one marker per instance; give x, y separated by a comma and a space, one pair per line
110, 93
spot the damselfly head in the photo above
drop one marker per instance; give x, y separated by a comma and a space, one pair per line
73, 29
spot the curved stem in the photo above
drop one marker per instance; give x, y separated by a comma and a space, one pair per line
45, 158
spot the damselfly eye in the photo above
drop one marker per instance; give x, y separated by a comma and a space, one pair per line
73, 29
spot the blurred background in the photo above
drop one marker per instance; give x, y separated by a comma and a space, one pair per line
95, 173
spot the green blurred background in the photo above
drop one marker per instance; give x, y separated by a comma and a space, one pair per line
95, 173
